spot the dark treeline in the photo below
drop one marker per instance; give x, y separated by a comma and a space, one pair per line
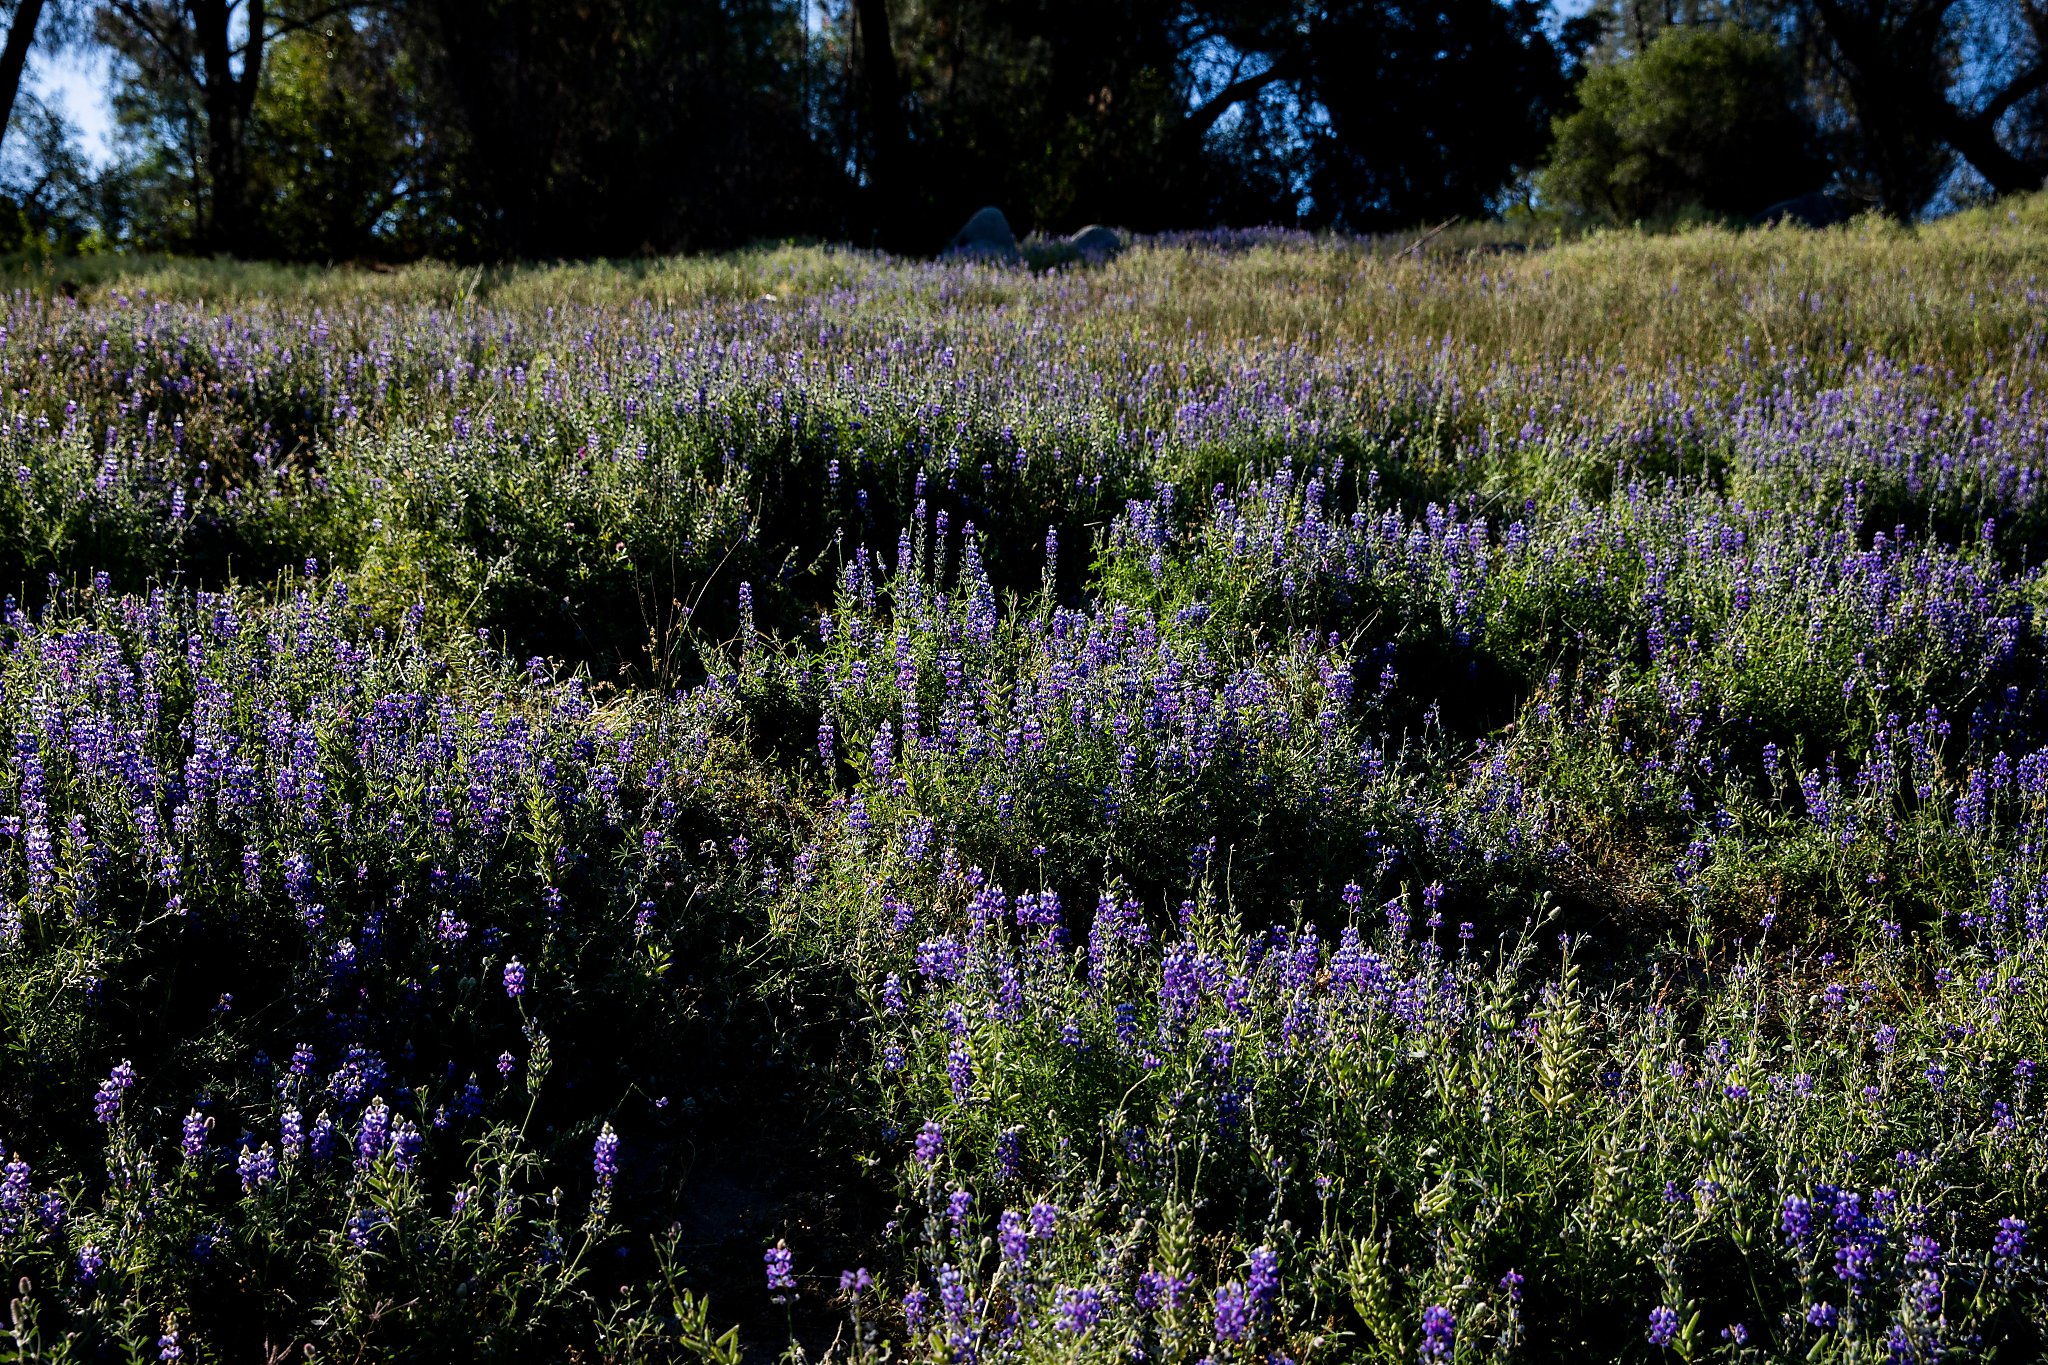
493, 129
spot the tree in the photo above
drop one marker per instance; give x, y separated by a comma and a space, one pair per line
1432, 107
621, 126
340, 148
1972, 77
1156, 113
21, 35
202, 61
1704, 118
882, 105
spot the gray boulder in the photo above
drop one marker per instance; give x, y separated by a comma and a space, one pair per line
1096, 244
987, 237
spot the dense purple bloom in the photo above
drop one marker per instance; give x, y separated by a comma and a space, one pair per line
1262, 1283
953, 1296
1663, 1325
515, 978
1078, 1310
256, 1167
107, 1103
406, 1144
1156, 1290
1854, 1262
960, 1072
778, 1261
366, 1228
2010, 1242
1011, 1239
194, 1130
1233, 1316
931, 1140
604, 1157
1009, 1152
373, 1134
1439, 1333
1796, 1218
321, 1142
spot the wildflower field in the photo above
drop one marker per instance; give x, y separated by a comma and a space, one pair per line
1273, 801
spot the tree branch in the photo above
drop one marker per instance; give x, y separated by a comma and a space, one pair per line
1204, 115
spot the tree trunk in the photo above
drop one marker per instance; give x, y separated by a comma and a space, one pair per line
1895, 77
21, 35
890, 142
228, 98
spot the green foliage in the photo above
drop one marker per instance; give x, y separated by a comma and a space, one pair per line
336, 146
1271, 798
1703, 119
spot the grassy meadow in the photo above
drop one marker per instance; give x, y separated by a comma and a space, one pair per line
1278, 800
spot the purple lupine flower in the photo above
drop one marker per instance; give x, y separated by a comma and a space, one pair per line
365, 1228
194, 1142
1821, 1316
1262, 1283
1854, 1260
1078, 1310
506, 1063
604, 1157
1663, 1326
373, 1135
515, 978
958, 1205
1439, 1333
960, 1072
106, 1105
406, 1142
1233, 1316
167, 1348
1511, 1285
953, 1294
2010, 1241
256, 1167
1045, 1220
1011, 1239
1009, 1154
779, 1262
90, 1264
1156, 1290
916, 1309
1796, 1218
931, 1140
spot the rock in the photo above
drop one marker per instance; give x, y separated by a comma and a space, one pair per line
987, 237
1096, 244
1817, 210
